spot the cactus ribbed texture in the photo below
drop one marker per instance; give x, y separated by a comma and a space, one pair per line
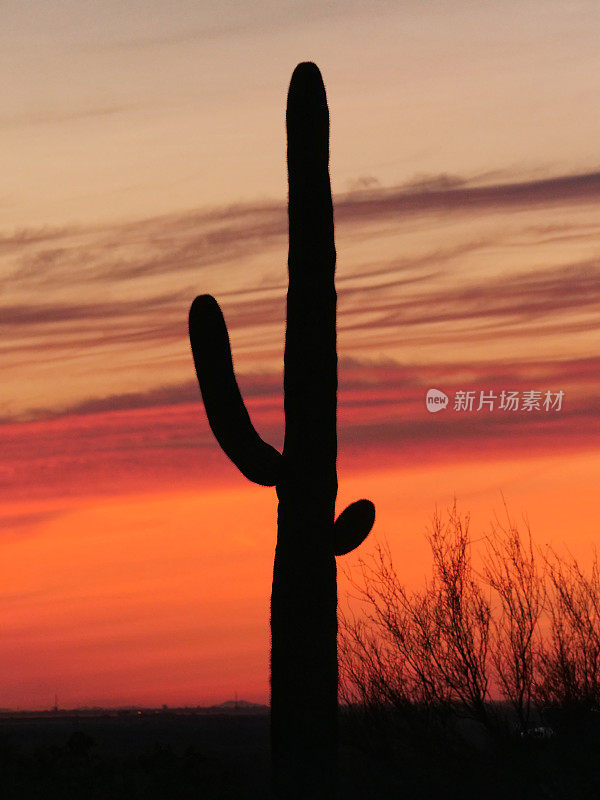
304, 669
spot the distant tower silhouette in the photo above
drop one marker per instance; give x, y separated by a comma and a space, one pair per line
304, 669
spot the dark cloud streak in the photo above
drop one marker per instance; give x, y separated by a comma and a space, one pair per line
82, 292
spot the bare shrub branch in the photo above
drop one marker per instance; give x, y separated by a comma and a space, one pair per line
511, 569
570, 656
428, 647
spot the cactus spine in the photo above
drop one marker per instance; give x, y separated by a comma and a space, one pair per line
304, 670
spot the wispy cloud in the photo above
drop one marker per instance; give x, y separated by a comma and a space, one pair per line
26, 521
260, 19
52, 117
453, 192
427, 266
134, 442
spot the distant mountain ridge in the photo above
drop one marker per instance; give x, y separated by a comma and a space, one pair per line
227, 707
237, 705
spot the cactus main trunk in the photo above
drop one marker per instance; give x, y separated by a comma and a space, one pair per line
304, 672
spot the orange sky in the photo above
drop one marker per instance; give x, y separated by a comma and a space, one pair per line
143, 163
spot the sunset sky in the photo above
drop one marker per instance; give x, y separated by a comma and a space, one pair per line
142, 154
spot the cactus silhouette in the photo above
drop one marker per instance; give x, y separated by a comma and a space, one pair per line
304, 669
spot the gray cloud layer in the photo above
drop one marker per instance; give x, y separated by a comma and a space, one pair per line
103, 293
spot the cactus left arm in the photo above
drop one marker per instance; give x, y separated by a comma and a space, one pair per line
225, 409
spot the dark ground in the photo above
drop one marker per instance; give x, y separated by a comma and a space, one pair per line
212, 756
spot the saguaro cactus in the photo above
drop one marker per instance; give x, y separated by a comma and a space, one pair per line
304, 670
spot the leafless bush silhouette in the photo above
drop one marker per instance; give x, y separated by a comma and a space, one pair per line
523, 628
512, 570
428, 647
569, 659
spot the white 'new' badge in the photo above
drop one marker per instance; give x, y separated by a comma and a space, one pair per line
436, 400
